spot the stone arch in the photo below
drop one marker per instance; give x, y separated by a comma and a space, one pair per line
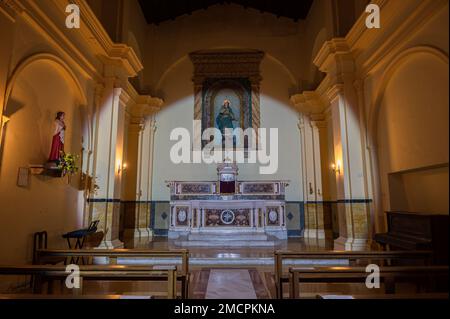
59, 64
392, 67
373, 119
266, 55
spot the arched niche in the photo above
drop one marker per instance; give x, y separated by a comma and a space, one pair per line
54, 87
40, 86
408, 131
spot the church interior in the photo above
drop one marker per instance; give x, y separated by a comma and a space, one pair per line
218, 149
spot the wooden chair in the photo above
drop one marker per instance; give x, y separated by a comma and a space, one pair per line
114, 254
425, 277
47, 273
352, 257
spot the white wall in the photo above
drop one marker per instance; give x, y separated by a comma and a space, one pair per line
412, 131
179, 112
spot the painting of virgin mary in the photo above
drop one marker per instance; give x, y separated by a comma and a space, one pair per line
226, 117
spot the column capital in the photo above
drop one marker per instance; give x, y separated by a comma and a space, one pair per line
145, 105
336, 60
318, 120
309, 102
137, 124
333, 91
152, 124
122, 95
330, 53
122, 61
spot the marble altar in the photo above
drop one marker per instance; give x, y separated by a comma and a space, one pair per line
208, 213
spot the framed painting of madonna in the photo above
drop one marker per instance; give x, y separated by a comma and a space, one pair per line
227, 105
226, 85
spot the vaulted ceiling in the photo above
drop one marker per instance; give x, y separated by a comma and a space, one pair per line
157, 11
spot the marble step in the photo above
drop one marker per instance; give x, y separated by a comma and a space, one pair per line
227, 237
224, 243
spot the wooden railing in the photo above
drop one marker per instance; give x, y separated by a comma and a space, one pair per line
420, 275
47, 273
114, 254
353, 257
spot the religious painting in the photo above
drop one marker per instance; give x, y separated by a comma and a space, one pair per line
226, 88
227, 105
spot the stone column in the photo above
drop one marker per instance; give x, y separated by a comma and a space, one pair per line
311, 107
336, 60
315, 226
140, 157
108, 162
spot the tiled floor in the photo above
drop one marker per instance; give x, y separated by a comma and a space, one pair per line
294, 244
228, 283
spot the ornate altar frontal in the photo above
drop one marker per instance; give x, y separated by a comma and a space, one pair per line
203, 211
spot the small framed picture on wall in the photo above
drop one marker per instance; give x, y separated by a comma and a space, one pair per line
23, 177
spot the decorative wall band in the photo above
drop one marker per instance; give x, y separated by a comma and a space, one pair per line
231, 197
104, 200
354, 201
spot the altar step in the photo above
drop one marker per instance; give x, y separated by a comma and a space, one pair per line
225, 244
226, 237
231, 239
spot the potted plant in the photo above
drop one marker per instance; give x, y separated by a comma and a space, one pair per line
67, 164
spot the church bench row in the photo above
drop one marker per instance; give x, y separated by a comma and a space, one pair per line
425, 278
48, 255
49, 273
353, 258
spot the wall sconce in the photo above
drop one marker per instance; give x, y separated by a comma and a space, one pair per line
336, 167
121, 167
5, 120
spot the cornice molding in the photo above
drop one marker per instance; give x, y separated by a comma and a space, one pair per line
227, 63
400, 21
140, 106
309, 102
91, 33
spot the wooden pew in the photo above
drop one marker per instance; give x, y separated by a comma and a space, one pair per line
47, 273
353, 257
113, 254
388, 275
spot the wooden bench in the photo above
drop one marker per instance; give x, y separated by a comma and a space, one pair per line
353, 257
420, 275
113, 254
48, 273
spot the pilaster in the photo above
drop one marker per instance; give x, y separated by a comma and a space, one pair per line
353, 206
140, 156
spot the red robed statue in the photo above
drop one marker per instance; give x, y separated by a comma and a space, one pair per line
57, 149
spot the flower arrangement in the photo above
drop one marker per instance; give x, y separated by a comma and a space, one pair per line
67, 164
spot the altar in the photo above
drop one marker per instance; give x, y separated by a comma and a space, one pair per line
227, 210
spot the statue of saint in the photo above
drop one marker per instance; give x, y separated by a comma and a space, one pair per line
57, 149
226, 117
